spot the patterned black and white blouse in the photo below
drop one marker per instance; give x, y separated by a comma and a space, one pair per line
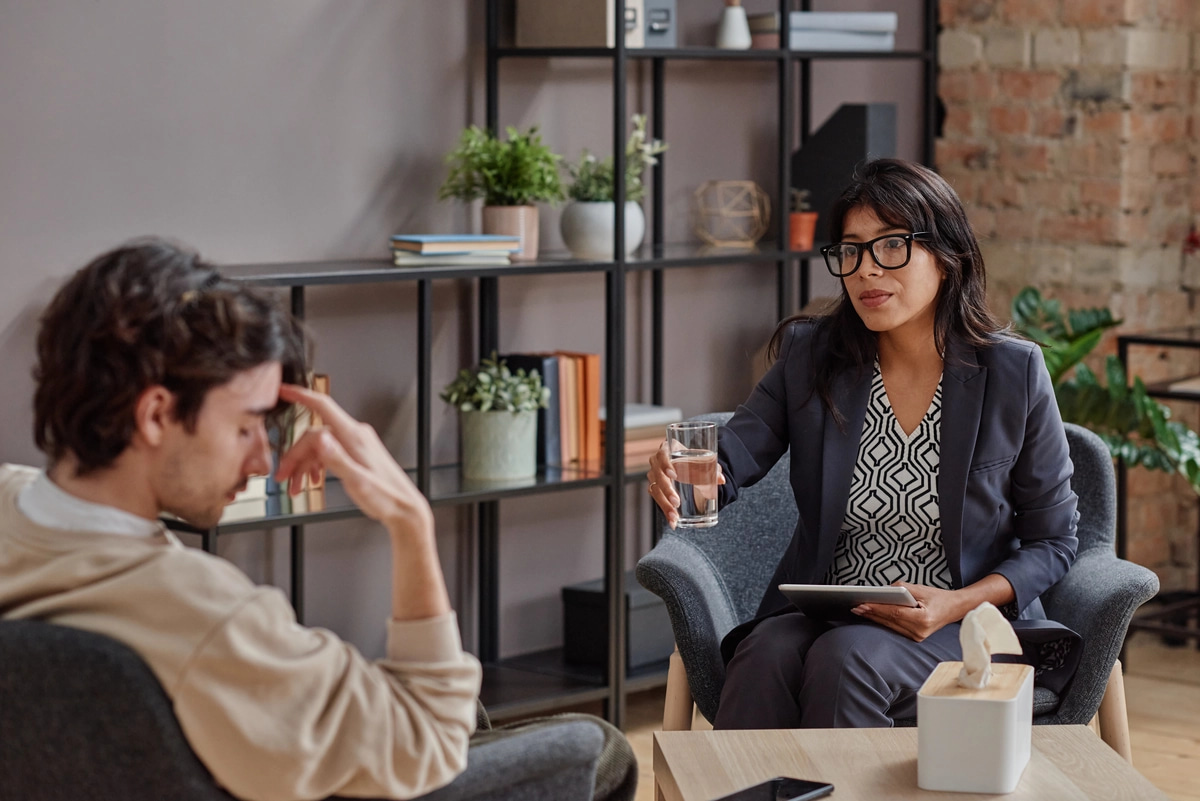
892, 529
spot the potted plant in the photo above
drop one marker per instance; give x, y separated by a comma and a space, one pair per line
509, 176
1135, 426
497, 410
802, 221
587, 222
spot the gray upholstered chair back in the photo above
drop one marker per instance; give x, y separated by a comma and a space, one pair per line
83, 718
728, 566
1095, 482
96, 718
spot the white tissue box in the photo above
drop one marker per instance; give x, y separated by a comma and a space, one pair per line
974, 741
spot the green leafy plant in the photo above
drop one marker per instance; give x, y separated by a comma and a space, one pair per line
1135, 426
517, 172
798, 200
592, 178
492, 387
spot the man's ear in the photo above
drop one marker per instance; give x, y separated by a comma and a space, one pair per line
154, 411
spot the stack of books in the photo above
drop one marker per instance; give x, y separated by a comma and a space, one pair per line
873, 31
645, 430
414, 250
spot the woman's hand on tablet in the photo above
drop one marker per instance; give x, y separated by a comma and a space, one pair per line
935, 608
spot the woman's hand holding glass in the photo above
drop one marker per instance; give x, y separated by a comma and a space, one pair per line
662, 477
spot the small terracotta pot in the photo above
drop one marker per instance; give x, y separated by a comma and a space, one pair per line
520, 221
802, 227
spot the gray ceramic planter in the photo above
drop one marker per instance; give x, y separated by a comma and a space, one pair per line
498, 445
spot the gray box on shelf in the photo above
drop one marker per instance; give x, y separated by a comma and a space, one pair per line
661, 23
648, 637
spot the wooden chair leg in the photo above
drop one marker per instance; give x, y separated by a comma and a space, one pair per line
1113, 717
677, 711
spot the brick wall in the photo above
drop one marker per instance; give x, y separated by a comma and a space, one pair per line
1070, 133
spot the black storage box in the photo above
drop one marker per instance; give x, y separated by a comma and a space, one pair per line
648, 637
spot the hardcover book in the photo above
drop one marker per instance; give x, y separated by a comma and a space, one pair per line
404, 258
587, 406
549, 436
455, 243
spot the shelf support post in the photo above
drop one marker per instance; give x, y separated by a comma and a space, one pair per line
297, 532
424, 380
614, 510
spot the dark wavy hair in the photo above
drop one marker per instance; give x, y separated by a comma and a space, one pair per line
911, 197
148, 313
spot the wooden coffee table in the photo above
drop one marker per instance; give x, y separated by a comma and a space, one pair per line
1068, 763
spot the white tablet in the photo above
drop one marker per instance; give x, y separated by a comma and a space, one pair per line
834, 601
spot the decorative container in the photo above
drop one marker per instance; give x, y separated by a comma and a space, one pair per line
587, 228
520, 221
498, 446
733, 31
974, 741
802, 230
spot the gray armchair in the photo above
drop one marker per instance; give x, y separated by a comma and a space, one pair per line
82, 717
712, 579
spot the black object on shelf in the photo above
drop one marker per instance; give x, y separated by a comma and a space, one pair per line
825, 163
648, 637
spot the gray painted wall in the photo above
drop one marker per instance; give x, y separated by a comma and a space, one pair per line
281, 130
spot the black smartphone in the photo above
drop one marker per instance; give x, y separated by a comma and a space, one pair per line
781, 788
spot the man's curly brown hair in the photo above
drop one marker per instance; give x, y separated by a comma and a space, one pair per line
148, 313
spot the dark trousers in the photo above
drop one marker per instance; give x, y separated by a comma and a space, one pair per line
616, 770
796, 672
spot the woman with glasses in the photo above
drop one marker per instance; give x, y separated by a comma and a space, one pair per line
926, 451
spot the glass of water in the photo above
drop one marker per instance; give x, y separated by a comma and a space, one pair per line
693, 447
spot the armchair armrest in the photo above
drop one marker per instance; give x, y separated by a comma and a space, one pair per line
701, 612
1097, 599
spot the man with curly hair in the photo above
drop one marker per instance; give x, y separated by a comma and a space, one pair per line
157, 381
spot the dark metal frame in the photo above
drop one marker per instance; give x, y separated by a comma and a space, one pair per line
1162, 620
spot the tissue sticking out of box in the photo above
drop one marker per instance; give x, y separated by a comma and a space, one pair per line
984, 632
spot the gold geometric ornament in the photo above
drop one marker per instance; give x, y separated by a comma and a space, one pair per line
730, 213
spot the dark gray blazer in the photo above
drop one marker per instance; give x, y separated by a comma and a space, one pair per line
1004, 484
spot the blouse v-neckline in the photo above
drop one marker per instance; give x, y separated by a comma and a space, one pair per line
894, 421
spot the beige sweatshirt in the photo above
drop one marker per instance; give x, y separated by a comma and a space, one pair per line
274, 710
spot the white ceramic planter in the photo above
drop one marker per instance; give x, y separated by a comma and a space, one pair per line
974, 741
498, 445
587, 228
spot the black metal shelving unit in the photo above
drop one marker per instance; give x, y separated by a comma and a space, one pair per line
1180, 619
537, 682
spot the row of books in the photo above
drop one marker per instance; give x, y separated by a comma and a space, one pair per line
827, 30
569, 430
415, 250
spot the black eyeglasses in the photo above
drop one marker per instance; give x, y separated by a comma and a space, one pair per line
890, 251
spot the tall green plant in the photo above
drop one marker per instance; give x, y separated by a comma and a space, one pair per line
1135, 426
517, 172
